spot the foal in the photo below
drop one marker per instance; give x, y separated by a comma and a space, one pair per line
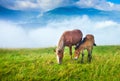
87, 43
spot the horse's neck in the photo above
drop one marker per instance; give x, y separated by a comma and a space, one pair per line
61, 44
79, 44
82, 46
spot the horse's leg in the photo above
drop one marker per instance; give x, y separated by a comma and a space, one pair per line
70, 48
82, 57
89, 55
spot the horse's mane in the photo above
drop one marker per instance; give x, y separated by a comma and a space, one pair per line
85, 39
61, 43
77, 46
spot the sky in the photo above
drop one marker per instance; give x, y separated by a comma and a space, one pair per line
114, 1
40, 23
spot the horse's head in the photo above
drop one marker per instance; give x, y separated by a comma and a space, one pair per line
59, 54
76, 54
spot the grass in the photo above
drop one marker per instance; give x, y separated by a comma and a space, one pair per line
40, 65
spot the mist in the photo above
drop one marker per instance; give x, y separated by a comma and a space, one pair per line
12, 35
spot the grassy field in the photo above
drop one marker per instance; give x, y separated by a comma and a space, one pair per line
40, 65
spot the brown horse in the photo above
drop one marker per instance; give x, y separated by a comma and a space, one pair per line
87, 43
68, 38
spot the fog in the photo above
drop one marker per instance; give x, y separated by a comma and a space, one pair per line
106, 32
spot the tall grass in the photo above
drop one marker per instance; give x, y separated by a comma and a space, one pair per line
40, 65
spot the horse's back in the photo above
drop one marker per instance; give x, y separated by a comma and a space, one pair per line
72, 37
87, 42
74, 34
90, 37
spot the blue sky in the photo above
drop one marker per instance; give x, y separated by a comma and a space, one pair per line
40, 23
114, 1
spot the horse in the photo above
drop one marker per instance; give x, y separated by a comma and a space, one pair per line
87, 43
68, 38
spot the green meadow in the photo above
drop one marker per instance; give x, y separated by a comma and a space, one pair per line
39, 64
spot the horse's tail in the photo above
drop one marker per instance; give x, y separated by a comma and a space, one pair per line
94, 44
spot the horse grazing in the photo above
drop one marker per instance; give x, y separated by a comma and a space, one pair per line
87, 43
68, 38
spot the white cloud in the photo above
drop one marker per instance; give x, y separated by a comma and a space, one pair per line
49, 4
40, 5
24, 5
11, 35
105, 24
98, 4
45, 5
